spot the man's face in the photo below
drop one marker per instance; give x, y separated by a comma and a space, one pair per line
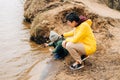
72, 24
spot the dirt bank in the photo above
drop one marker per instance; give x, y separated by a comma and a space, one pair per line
47, 15
52, 16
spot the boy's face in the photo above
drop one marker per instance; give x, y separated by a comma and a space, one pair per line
72, 24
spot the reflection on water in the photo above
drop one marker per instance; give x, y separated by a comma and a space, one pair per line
44, 69
41, 70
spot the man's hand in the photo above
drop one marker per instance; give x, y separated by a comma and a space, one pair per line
64, 43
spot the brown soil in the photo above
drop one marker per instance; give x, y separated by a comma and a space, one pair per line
105, 63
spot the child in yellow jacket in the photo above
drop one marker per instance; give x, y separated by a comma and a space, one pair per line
80, 41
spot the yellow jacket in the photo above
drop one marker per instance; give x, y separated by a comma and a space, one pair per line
83, 34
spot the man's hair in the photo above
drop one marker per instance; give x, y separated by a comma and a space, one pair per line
72, 17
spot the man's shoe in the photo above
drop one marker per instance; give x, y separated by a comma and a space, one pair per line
76, 66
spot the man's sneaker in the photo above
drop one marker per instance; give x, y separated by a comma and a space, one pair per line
84, 57
76, 66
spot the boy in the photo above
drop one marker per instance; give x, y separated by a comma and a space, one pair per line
56, 41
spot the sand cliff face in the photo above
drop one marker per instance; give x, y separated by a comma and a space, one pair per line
33, 7
50, 15
46, 15
114, 4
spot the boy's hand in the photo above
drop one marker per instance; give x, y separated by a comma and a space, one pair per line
46, 45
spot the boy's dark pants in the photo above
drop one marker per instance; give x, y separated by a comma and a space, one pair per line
61, 51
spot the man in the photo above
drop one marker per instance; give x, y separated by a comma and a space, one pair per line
80, 41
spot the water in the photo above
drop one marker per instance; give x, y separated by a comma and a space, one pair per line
20, 59
44, 69
41, 70
17, 54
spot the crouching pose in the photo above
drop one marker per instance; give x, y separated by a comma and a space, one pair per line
56, 41
80, 41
